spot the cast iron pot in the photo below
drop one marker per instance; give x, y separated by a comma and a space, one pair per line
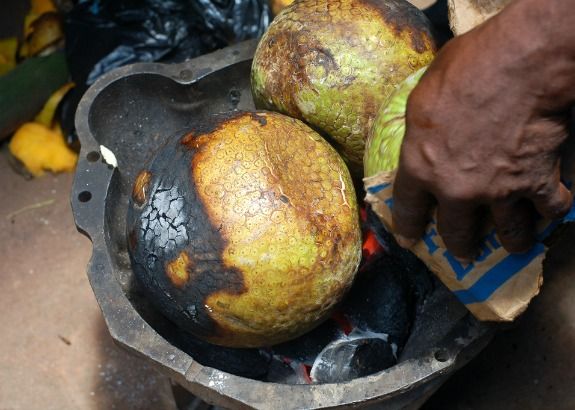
129, 112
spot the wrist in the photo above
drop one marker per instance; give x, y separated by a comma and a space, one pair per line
537, 47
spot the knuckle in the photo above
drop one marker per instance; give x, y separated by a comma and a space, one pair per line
460, 193
411, 166
542, 190
553, 201
413, 169
559, 209
507, 189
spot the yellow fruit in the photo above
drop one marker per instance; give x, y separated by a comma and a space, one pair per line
41, 149
245, 231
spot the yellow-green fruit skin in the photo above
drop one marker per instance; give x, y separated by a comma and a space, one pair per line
383, 145
333, 63
279, 5
245, 231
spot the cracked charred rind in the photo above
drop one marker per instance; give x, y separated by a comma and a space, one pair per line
333, 63
170, 223
250, 233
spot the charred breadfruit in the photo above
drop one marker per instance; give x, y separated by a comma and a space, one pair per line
332, 63
245, 231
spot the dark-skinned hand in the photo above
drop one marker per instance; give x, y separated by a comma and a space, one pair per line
485, 127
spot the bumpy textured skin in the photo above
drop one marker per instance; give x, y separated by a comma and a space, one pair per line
279, 5
245, 231
332, 63
383, 144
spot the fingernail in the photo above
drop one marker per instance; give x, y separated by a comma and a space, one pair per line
463, 261
405, 242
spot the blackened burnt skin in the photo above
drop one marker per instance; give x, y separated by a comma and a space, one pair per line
244, 230
171, 226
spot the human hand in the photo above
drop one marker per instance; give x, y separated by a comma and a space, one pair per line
484, 132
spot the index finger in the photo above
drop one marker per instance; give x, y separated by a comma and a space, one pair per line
410, 211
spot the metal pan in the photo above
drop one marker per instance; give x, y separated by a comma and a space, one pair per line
130, 111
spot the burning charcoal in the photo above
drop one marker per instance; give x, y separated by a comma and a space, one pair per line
306, 348
281, 372
357, 355
251, 363
442, 310
420, 279
381, 300
284, 371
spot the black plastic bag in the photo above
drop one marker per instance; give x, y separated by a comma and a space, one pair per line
105, 34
